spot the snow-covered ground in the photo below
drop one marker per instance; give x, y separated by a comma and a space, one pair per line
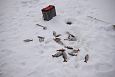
95, 36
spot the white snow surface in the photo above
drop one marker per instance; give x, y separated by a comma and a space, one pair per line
18, 19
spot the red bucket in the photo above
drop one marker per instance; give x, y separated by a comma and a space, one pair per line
49, 12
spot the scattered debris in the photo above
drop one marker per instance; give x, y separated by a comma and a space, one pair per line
44, 28
61, 52
28, 40
86, 58
68, 47
58, 40
41, 39
55, 35
71, 37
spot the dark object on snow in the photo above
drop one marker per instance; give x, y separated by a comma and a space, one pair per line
55, 35
58, 35
44, 28
68, 47
28, 40
41, 39
69, 22
74, 52
57, 54
61, 52
71, 37
58, 40
49, 12
64, 55
86, 58
114, 26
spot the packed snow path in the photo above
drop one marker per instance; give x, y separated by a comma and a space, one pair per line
18, 19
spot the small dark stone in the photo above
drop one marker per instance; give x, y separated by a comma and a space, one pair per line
28, 40
113, 26
69, 22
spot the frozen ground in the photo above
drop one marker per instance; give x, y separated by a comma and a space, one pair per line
95, 36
